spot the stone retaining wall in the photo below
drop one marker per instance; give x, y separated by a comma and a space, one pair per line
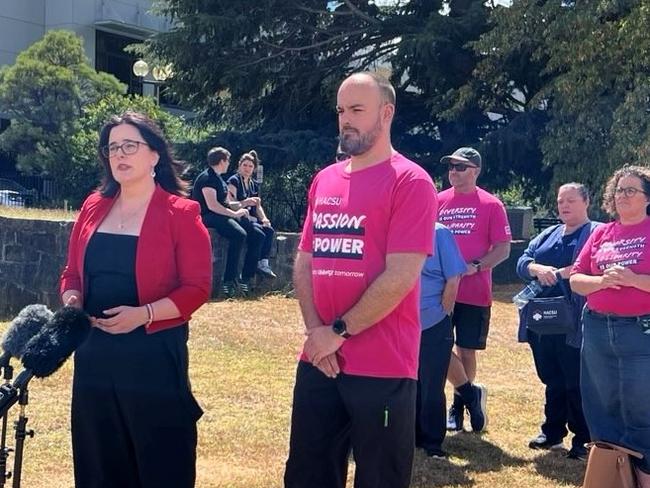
33, 252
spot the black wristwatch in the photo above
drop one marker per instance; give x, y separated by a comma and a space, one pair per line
477, 264
340, 328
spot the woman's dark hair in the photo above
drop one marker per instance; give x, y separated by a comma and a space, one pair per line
250, 156
641, 172
168, 169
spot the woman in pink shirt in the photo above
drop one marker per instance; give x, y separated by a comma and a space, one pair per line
613, 272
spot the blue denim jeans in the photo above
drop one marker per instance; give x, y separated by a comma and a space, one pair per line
614, 381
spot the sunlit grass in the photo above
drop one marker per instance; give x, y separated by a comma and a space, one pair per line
243, 356
37, 213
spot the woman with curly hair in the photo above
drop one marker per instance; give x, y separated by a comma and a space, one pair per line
613, 272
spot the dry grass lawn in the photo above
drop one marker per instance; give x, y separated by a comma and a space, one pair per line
242, 370
37, 213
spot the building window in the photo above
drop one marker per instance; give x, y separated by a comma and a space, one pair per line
110, 57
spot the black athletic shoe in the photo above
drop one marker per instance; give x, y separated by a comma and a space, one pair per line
244, 287
478, 409
266, 271
436, 453
542, 443
579, 453
228, 289
455, 418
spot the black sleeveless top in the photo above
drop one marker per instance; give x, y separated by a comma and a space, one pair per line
109, 269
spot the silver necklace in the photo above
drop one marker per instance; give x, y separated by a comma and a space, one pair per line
125, 220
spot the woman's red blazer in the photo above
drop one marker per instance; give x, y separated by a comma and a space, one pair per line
173, 257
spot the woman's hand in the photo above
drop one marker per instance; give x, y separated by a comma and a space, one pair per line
73, 301
620, 276
610, 279
545, 274
123, 319
242, 212
266, 223
251, 201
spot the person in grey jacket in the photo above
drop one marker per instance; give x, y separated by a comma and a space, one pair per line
549, 259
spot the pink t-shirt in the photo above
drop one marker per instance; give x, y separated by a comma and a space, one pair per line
615, 244
354, 220
478, 221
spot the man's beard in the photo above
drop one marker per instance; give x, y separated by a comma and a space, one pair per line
354, 143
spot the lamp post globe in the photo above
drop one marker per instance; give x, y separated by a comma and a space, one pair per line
161, 73
140, 68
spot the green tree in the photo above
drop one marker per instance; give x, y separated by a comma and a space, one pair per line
84, 167
575, 73
45, 93
271, 66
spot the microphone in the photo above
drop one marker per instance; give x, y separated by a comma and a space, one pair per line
26, 325
46, 352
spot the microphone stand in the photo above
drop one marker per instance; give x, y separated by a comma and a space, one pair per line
21, 433
8, 371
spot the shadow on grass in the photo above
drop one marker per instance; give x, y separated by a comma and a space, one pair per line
469, 454
556, 467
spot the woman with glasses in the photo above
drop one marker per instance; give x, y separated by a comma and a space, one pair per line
613, 272
549, 259
244, 189
139, 263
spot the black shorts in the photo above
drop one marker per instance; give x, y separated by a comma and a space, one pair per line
471, 325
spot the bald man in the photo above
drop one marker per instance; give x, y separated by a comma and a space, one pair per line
364, 241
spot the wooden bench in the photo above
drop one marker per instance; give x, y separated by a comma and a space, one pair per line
541, 223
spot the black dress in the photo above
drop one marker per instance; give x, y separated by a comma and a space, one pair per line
133, 413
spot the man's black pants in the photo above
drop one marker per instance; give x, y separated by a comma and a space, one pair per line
372, 417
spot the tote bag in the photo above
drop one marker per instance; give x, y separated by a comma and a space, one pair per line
551, 315
609, 466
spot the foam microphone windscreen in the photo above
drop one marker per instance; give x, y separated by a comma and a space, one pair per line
57, 340
22, 328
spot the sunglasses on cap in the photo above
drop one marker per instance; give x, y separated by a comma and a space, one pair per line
460, 167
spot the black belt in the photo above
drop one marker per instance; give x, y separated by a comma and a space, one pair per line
613, 316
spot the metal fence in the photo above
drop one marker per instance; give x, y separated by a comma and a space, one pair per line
11, 198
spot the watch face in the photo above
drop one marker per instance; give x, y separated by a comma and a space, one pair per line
339, 326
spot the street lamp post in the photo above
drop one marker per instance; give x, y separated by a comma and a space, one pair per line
160, 74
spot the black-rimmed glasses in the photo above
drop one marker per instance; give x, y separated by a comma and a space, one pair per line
128, 148
629, 191
460, 167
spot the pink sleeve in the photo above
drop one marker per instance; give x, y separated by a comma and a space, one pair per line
306, 238
583, 261
499, 227
415, 209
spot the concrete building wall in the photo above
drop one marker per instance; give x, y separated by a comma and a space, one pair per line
24, 22
21, 24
